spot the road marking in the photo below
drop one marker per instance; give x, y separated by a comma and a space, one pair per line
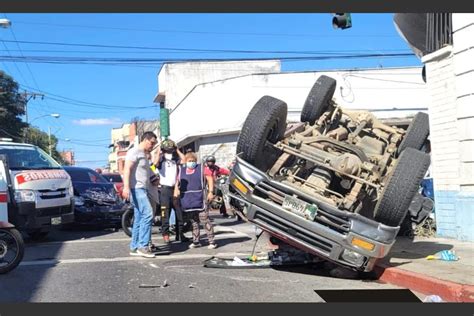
122, 259
227, 233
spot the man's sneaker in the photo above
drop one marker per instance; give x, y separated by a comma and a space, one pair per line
194, 245
134, 252
146, 253
212, 246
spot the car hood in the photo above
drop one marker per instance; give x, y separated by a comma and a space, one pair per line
100, 193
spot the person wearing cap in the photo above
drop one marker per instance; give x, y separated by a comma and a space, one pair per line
215, 172
190, 191
167, 163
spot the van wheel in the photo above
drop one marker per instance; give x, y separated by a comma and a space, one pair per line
401, 187
318, 99
265, 122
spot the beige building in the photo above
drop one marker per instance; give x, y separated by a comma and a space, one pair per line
122, 138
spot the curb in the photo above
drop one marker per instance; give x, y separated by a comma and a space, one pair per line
447, 290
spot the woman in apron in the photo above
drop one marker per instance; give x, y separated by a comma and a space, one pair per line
193, 196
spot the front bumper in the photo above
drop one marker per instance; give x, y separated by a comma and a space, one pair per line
27, 217
104, 216
329, 236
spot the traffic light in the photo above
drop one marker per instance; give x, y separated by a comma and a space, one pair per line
342, 21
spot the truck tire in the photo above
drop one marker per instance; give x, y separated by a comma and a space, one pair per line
318, 99
401, 187
417, 133
265, 122
9, 237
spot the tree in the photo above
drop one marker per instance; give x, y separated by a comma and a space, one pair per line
12, 107
41, 139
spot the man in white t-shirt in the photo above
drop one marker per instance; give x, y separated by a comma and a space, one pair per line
167, 163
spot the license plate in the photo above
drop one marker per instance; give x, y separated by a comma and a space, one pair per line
300, 208
56, 221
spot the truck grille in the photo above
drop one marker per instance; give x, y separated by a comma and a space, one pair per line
296, 232
341, 225
52, 194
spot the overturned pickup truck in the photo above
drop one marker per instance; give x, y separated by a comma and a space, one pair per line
337, 185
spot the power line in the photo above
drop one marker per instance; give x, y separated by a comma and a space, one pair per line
171, 49
68, 100
157, 61
206, 32
14, 63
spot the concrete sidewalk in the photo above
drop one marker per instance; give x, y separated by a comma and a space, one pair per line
406, 265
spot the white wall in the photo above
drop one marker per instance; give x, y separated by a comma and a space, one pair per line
225, 104
450, 77
176, 80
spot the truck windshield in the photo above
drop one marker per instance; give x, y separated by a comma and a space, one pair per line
27, 158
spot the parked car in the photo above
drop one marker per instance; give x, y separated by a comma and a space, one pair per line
96, 201
116, 179
338, 184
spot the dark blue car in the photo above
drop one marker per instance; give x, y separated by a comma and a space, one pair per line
96, 200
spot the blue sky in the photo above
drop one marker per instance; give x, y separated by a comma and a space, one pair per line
124, 88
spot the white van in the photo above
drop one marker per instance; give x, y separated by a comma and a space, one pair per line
39, 190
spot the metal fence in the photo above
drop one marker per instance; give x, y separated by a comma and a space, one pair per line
439, 29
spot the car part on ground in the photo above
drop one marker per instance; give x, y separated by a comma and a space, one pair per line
338, 184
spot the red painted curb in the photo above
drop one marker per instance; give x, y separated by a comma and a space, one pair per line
447, 290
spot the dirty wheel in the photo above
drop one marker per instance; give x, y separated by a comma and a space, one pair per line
265, 122
318, 99
417, 133
12, 249
401, 187
127, 221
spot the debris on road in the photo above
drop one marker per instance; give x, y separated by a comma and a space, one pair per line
445, 255
152, 286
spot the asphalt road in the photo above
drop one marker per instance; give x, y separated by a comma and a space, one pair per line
94, 266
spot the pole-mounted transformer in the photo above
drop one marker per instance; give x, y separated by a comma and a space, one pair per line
342, 21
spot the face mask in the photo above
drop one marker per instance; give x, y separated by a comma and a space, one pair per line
168, 156
191, 164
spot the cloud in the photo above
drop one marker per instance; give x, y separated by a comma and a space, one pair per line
99, 121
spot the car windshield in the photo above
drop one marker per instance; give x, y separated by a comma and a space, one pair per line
27, 158
85, 175
113, 177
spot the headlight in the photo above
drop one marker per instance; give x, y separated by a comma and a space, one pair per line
78, 201
25, 196
71, 190
353, 257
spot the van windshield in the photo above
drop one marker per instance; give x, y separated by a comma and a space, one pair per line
27, 158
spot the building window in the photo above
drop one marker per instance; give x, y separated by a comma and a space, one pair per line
439, 28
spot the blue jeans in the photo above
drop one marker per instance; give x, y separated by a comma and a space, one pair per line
142, 219
172, 217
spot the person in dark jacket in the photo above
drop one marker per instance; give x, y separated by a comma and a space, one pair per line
194, 197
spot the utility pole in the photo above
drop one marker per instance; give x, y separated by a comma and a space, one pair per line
28, 96
49, 137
